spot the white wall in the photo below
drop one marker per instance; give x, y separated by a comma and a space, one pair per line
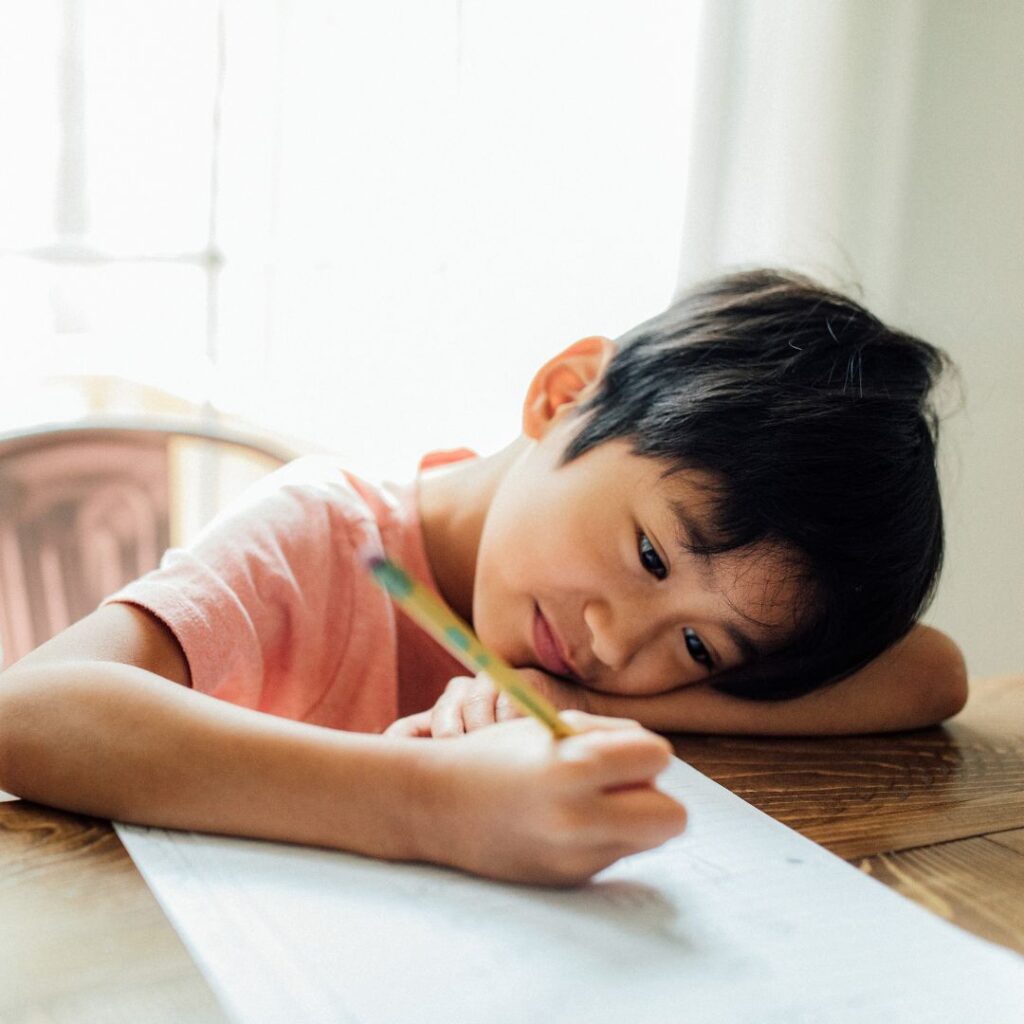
880, 145
961, 284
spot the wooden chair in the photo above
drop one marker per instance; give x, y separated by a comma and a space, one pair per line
85, 507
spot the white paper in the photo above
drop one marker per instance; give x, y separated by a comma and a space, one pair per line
738, 920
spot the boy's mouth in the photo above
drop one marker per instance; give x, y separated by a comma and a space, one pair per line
549, 648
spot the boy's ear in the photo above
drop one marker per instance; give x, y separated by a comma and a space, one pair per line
562, 382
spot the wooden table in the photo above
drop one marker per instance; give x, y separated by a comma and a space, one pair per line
937, 814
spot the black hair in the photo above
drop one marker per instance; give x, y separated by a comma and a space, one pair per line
815, 424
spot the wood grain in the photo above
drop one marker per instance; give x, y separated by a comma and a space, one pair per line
83, 938
971, 882
865, 795
1013, 840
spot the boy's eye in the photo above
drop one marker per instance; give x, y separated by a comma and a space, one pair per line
649, 557
697, 650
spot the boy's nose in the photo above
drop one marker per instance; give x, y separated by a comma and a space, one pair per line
618, 632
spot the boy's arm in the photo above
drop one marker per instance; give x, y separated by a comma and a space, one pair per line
94, 722
920, 681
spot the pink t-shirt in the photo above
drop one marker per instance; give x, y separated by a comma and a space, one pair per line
274, 611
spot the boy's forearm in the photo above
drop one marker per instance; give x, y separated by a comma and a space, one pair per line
919, 682
701, 709
119, 742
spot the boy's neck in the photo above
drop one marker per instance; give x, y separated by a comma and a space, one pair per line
453, 505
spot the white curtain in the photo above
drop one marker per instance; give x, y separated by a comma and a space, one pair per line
880, 145
421, 202
803, 136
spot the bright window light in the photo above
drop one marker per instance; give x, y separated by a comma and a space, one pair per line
365, 225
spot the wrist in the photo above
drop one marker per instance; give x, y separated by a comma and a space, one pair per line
425, 786
359, 793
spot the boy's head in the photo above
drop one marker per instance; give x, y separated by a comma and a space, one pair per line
807, 427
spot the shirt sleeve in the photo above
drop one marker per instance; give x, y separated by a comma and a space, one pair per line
262, 603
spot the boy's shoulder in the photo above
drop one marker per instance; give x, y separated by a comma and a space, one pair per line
305, 490
323, 476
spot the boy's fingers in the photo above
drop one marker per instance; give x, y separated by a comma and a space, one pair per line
478, 707
624, 823
411, 725
635, 820
645, 817
583, 721
446, 719
466, 704
446, 714
505, 708
611, 758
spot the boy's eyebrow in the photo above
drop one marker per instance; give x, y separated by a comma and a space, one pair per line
689, 532
749, 651
689, 535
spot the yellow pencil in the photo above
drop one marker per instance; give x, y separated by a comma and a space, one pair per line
428, 611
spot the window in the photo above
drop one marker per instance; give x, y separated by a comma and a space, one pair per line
337, 220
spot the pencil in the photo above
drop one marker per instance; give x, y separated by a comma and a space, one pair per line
456, 637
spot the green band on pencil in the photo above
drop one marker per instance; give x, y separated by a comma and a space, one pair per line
428, 611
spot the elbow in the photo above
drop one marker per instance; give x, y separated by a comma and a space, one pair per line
21, 695
946, 687
8, 734
954, 691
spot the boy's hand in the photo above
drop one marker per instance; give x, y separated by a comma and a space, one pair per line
516, 804
470, 703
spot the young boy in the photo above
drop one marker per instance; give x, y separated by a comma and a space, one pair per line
698, 529
781, 526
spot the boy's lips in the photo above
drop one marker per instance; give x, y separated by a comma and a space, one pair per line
549, 649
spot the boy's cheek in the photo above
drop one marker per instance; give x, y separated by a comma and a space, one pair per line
501, 621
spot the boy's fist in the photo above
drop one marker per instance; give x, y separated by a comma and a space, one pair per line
514, 803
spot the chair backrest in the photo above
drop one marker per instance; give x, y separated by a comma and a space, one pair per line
89, 506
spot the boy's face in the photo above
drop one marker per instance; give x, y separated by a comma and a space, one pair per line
580, 572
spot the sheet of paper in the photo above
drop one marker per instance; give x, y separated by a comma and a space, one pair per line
738, 920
